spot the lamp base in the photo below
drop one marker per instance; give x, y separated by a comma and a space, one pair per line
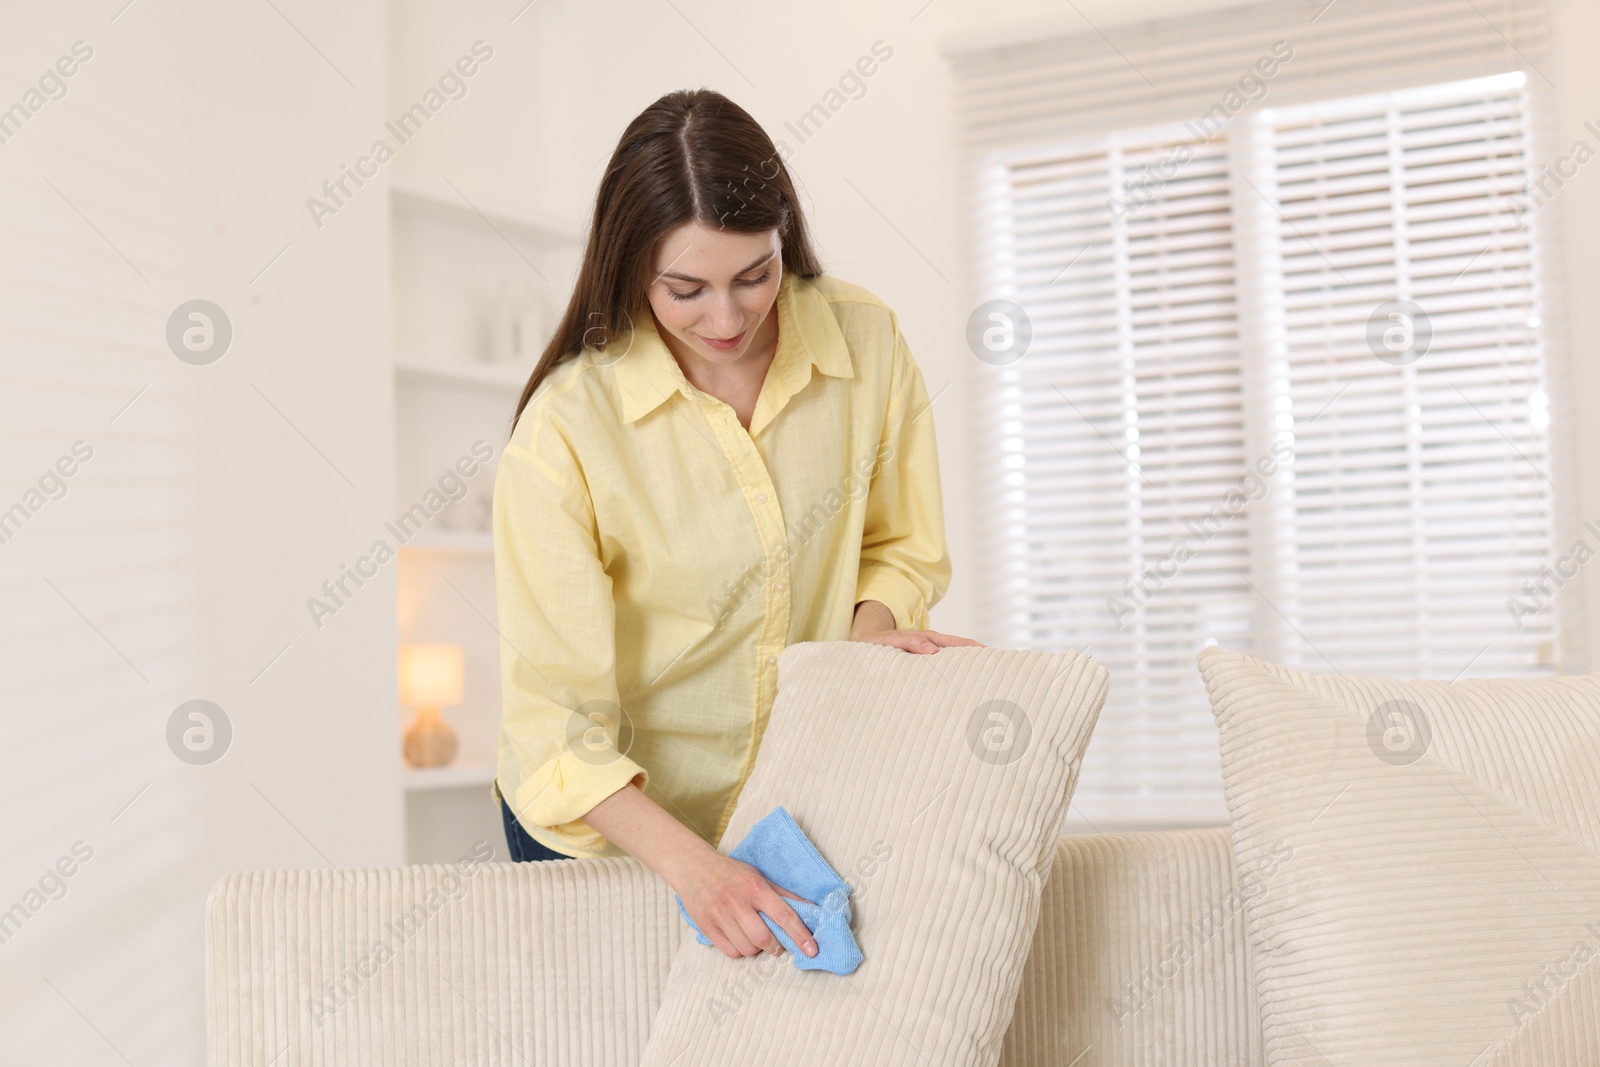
429, 740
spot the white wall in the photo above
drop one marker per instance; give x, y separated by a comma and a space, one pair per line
177, 565
1578, 88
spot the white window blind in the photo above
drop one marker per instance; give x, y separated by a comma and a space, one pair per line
1202, 444
1420, 500
1123, 422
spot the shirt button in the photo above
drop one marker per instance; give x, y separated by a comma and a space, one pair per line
761, 498
780, 587
772, 659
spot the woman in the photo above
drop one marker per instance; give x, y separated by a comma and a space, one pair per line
721, 452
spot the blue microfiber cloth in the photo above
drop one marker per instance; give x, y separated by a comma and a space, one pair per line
780, 850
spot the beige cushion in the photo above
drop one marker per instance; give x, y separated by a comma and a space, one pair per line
1440, 899
1140, 957
936, 785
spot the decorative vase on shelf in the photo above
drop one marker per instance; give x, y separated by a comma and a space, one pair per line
431, 677
533, 330
514, 312
501, 326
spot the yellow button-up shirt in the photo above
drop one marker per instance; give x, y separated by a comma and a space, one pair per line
653, 557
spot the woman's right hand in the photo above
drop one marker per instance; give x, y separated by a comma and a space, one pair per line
723, 896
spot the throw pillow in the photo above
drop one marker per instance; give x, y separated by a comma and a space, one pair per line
935, 784
1442, 902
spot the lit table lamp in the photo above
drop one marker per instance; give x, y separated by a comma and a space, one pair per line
431, 677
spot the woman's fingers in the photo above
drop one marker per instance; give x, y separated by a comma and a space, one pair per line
784, 892
950, 640
731, 939
785, 916
759, 933
734, 920
719, 898
906, 640
923, 641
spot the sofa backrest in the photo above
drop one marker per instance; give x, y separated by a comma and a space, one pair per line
1138, 958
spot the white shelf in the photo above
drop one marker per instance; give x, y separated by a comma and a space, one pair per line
502, 377
451, 245
421, 196
473, 541
465, 776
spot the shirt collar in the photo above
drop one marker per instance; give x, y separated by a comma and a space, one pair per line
808, 335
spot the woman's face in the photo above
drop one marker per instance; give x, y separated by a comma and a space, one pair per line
710, 286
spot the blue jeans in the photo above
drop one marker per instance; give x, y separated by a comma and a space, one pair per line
525, 849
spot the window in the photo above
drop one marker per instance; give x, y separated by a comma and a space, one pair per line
1419, 501
1285, 391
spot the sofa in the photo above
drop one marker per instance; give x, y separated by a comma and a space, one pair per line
1410, 875
1139, 958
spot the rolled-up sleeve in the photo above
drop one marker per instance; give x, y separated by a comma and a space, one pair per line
905, 564
561, 719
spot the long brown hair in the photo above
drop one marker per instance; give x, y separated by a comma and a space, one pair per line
693, 155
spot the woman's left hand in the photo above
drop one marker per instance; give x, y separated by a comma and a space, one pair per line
874, 622
917, 640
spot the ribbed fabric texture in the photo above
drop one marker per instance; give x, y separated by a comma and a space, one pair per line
778, 848
1140, 957
558, 962
934, 784
1440, 901
567, 964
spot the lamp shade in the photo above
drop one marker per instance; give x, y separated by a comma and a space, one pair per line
431, 675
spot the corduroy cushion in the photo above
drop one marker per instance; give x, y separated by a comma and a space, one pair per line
1442, 900
935, 785
1140, 959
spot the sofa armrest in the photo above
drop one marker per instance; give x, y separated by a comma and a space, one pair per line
493, 963
1139, 958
